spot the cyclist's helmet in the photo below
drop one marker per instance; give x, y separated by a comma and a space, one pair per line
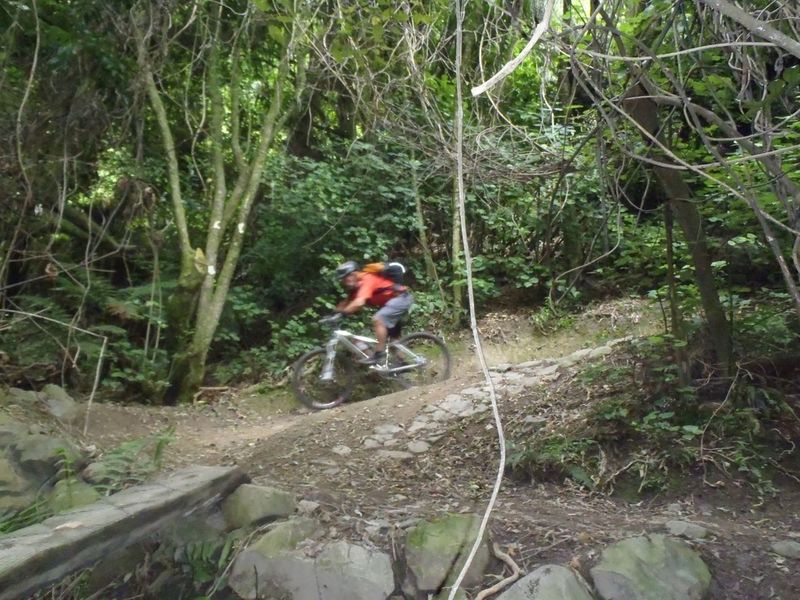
345, 269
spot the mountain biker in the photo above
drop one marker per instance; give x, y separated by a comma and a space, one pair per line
392, 299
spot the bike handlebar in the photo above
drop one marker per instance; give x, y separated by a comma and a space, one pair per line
331, 319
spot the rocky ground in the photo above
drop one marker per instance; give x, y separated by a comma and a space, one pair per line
378, 464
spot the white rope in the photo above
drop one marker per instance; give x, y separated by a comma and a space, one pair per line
459, 127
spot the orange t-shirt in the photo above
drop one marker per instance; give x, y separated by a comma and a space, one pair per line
376, 290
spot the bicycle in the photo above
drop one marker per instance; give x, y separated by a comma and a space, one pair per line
325, 377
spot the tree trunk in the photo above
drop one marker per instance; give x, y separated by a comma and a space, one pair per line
457, 262
645, 112
678, 332
188, 376
194, 309
422, 232
761, 29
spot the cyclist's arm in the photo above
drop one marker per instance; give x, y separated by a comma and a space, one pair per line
355, 303
351, 307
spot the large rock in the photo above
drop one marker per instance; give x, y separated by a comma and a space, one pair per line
21, 397
10, 480
195, 528
34, 557
284, 537
349, 572
550, 582
255, 503
445, 595
269, 566
272, 567
686, 529
59, 403
436, 552
654, 567
16, 492
9, 430
41, 456
72, 493
99, 473
787, 548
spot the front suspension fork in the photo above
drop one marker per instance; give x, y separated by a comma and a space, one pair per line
330, 357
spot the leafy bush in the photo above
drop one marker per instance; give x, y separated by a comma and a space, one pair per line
646, 426
134, 461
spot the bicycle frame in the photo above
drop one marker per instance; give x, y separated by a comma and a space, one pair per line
348, 340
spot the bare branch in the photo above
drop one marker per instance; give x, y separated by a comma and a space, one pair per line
511, 65
754, 26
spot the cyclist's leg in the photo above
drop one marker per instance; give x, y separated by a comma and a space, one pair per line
389, 317
396, 332
381, 332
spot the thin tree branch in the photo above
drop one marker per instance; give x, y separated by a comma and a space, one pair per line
754, 26
511, 65
173, 169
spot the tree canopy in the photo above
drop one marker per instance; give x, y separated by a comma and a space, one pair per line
180, 178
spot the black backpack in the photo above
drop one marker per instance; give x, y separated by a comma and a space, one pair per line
393, 271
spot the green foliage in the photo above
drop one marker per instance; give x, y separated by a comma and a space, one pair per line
558, 455
35, 513
32, 346
134, 461
206, 561
765, 323
429, 311
559, 206
484, 286
66, 471
645, 428
549, 319
137, 374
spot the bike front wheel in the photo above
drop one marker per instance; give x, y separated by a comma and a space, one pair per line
423, 358
315, 392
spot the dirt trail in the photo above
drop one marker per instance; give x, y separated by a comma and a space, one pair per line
222, 427
366, 494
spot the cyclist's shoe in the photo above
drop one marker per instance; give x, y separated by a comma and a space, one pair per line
376, 359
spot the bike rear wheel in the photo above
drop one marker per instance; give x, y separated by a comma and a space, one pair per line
316, 393
429, 355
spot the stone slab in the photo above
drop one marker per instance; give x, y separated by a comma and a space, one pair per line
40, 555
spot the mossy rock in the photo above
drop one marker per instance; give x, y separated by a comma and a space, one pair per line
284, 537
72, 493
16, 492
11, 482
653, 567
10, 428
59, 403
251, 504
436, 552
40, 456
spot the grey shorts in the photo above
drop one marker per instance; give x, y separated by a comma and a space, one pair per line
395, 309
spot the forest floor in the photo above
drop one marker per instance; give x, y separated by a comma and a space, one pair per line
322, 457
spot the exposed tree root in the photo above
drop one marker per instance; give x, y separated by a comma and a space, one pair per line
500, 585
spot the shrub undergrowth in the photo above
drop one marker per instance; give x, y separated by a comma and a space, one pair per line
656, 413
